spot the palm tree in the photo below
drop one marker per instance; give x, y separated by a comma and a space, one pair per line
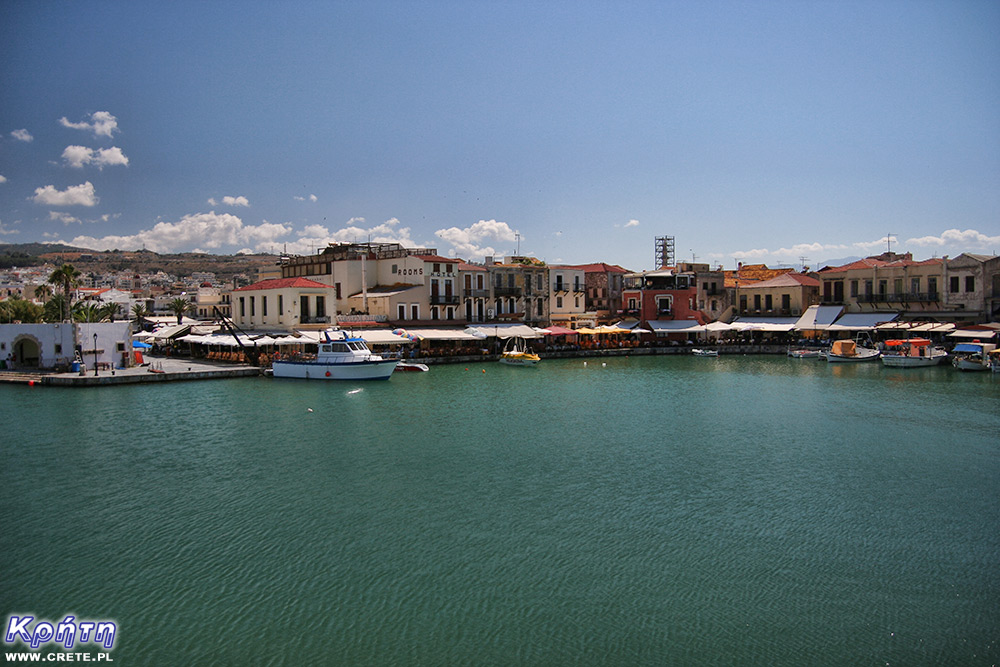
111, 310
87, 312
67, 277
138, 313
54, 309
178, 307
43, 292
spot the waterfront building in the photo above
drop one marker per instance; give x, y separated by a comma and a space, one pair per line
55, 345
283, 304
714, 300
973, 286
785, 295
889, 283
520, 290
568, 297
603, 297
475, 289
664, 301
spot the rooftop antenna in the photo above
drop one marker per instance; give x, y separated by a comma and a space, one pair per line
888, 242
517, 235
802, 261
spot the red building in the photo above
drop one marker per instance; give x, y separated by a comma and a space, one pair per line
664, 301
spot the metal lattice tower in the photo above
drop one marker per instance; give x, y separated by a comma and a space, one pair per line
664, 251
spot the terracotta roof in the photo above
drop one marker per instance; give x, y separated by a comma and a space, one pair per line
874, 262
787, 280
465, 266
749, 274
598, 267
283, 283
437, 258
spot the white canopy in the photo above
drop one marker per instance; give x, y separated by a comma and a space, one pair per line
862, 321
481, 331
764, 323
818, 318
675, 326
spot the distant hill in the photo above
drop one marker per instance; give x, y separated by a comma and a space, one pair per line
225, 267
835, 262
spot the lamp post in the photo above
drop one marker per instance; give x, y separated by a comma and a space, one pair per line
95, 355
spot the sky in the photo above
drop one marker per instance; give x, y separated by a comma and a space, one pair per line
768, 131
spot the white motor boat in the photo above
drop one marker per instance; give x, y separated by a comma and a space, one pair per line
912, 353
340, 357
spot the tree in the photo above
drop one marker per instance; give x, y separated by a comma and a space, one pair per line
43, 292
178, 307
87, 312
16, 309
54, 309
67, 277
139, 313
111, 310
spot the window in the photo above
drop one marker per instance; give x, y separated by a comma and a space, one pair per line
559, 302
932, 285
414, 311
768, 302
59, 347
632, 304
786, 301
263, 306
954, 285
395, 269
320, 306
243, 307
914, 285
336, 288
756, 301
664, 304
450, 312
252, 306
448, 269
897, 286
119, 346
480, 284
854, 288
743, 303
281, 305
577, 302
540, 305
401, 311
437, 268
970, 283
434, 312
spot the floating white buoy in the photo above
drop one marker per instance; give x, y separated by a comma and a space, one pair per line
309, 409
604, 363
585, 363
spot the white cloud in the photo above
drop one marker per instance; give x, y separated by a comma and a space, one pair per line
78, 156
632, 223
312, 198
22, 135
969, 240
76, 195
314, 237
102, 124
230, 201
63, 217
4, 231
3, 179
469, 242
315, 231
211, 231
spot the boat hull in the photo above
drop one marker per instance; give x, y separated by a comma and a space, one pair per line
969, 364
903, 361
519, 361
314, 370
866, 355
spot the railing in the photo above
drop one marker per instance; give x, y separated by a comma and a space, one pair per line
507, 291
444, 299
899, 297
477, 293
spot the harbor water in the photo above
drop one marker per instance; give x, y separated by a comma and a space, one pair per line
625, 511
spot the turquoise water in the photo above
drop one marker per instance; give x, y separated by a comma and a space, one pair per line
643, 511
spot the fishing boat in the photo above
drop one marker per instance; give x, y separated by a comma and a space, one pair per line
912, 353
339, 357
972, 356
850, 350
516, 353
700, 352
994, 361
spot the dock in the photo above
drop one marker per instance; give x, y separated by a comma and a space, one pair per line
159, 370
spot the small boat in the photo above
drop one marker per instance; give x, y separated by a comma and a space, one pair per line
516, 353
700, 352
850, 350
912, 353
411, 366
805, 353
972, 356
340, 357
994, 361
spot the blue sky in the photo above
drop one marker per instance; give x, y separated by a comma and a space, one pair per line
576, 131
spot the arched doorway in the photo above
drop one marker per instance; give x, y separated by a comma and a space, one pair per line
26, 351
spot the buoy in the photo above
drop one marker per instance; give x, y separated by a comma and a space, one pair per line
31, 383
604, 363
309, 409
585, 363
484, 370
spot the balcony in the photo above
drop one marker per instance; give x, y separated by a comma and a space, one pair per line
444, 299
477, 293
507, 291
906, 297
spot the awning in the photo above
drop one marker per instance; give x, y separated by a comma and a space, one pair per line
674, 326
446, 334
818, 318
559, 331
861, 321
934, 327
503, 331
984, 334
175, 331
765, 323
381, 337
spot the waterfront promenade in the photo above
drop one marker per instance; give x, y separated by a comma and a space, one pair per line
159, 370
